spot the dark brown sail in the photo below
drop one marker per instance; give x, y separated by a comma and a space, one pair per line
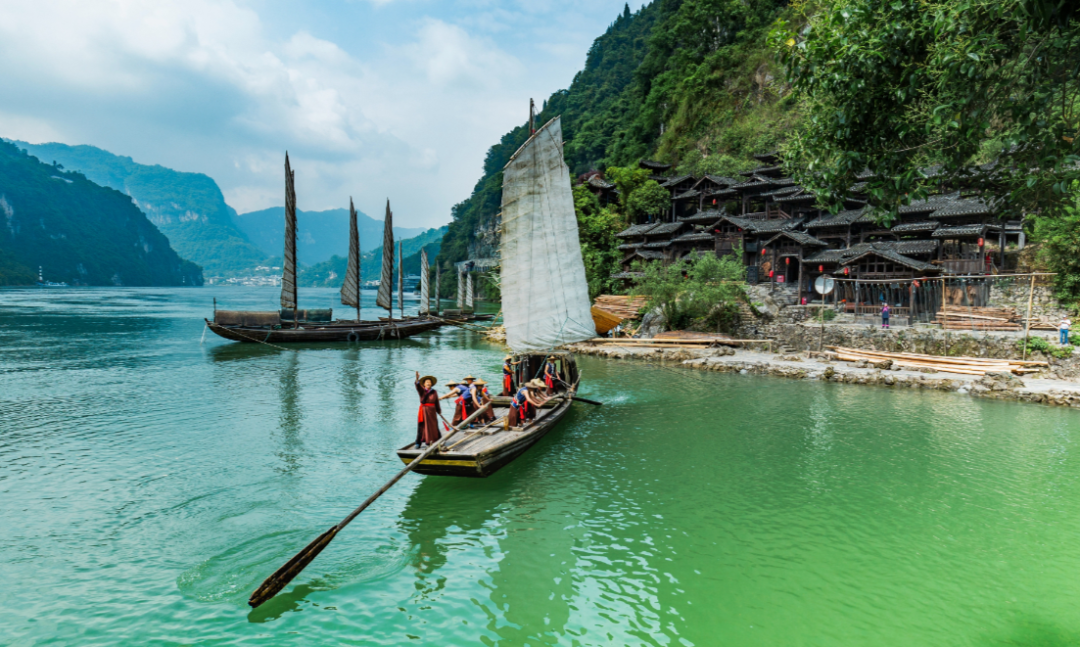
350, 289
288, 274
386, 279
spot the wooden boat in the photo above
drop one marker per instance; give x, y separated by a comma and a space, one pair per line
309, 331
540, 249
293, 325
483, 451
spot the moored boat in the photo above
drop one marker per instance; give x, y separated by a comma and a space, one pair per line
295, 325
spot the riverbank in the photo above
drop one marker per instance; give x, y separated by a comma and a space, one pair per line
808, 365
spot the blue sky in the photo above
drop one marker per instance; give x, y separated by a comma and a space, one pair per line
372, 98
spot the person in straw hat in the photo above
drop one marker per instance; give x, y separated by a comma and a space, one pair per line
551, 374
482, 397
464, 402
525, 403
427, 422
508, 375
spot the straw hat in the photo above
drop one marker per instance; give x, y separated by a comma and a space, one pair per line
467, 378
452, 383
536, 384
433, 379
480, 382
508, 358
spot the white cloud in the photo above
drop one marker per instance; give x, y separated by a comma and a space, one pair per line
211, 86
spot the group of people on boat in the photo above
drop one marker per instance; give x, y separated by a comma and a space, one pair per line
470, 394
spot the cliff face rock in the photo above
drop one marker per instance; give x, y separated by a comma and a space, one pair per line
77, 231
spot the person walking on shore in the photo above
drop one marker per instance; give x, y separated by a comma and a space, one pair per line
427, 423
884, 315
1063, 327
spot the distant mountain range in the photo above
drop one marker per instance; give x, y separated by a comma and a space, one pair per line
319, 234
77, 231
189, 208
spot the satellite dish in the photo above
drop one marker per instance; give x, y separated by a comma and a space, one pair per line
824, 285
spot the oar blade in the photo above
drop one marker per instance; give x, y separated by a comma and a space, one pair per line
282, 576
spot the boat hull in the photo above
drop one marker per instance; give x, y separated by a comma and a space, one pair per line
325, 332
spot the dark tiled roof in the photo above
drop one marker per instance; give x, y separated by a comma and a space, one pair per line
857, 187
665, 228
961, 208
762, 170
799, 237
687, 194
895, 257
919, 225
636, 230
694, 236
826, 256
842, 219
660, 244
782, 191
677, 180
598, 183
721, 193
770, 157
706, 217
964, 231
910, 247
800, 196
755, 182
741, 223
772, 226
649, 254
929, 204
628, 275
628, 246
653, 166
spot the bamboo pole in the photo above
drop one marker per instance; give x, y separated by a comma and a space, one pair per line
1027, 320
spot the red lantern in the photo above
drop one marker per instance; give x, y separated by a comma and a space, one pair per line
787, 260
845, 271
762, 251
714, 200
770, 274
980, 242
821, 268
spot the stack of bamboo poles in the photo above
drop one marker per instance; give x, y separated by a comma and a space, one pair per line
979, 318
963, 365
610, 310
623, 306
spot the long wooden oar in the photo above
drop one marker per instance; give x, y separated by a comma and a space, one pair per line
281, 577
576, 398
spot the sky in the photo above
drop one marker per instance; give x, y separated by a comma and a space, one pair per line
372, 99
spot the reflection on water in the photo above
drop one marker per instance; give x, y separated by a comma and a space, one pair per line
148, 483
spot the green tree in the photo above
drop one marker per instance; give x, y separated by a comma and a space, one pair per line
1060, 240
649, 199
597, 227
896, 88
700, 290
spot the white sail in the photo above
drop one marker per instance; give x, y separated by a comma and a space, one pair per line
468, 290
545, 297
425, 300
385, 296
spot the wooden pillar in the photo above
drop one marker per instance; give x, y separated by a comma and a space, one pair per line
1027, 321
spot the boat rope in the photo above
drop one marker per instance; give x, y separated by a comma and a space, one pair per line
257, 341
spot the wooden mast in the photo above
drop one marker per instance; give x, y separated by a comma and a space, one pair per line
288, 273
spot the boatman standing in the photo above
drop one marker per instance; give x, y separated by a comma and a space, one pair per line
427, 423
508, 375
551, 375
481, 396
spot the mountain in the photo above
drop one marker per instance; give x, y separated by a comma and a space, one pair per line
77, 231
692, 83
189, 208
331, 273
319, 234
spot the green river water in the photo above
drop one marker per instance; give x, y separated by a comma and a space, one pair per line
149, 480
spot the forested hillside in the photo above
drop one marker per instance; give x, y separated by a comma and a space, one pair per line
319, 234
187, 207
688, 82
77, 231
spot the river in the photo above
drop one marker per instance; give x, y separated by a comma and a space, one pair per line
150, 479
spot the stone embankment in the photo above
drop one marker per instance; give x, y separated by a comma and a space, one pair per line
816, 366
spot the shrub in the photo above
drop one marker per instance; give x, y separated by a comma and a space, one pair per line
700, 288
